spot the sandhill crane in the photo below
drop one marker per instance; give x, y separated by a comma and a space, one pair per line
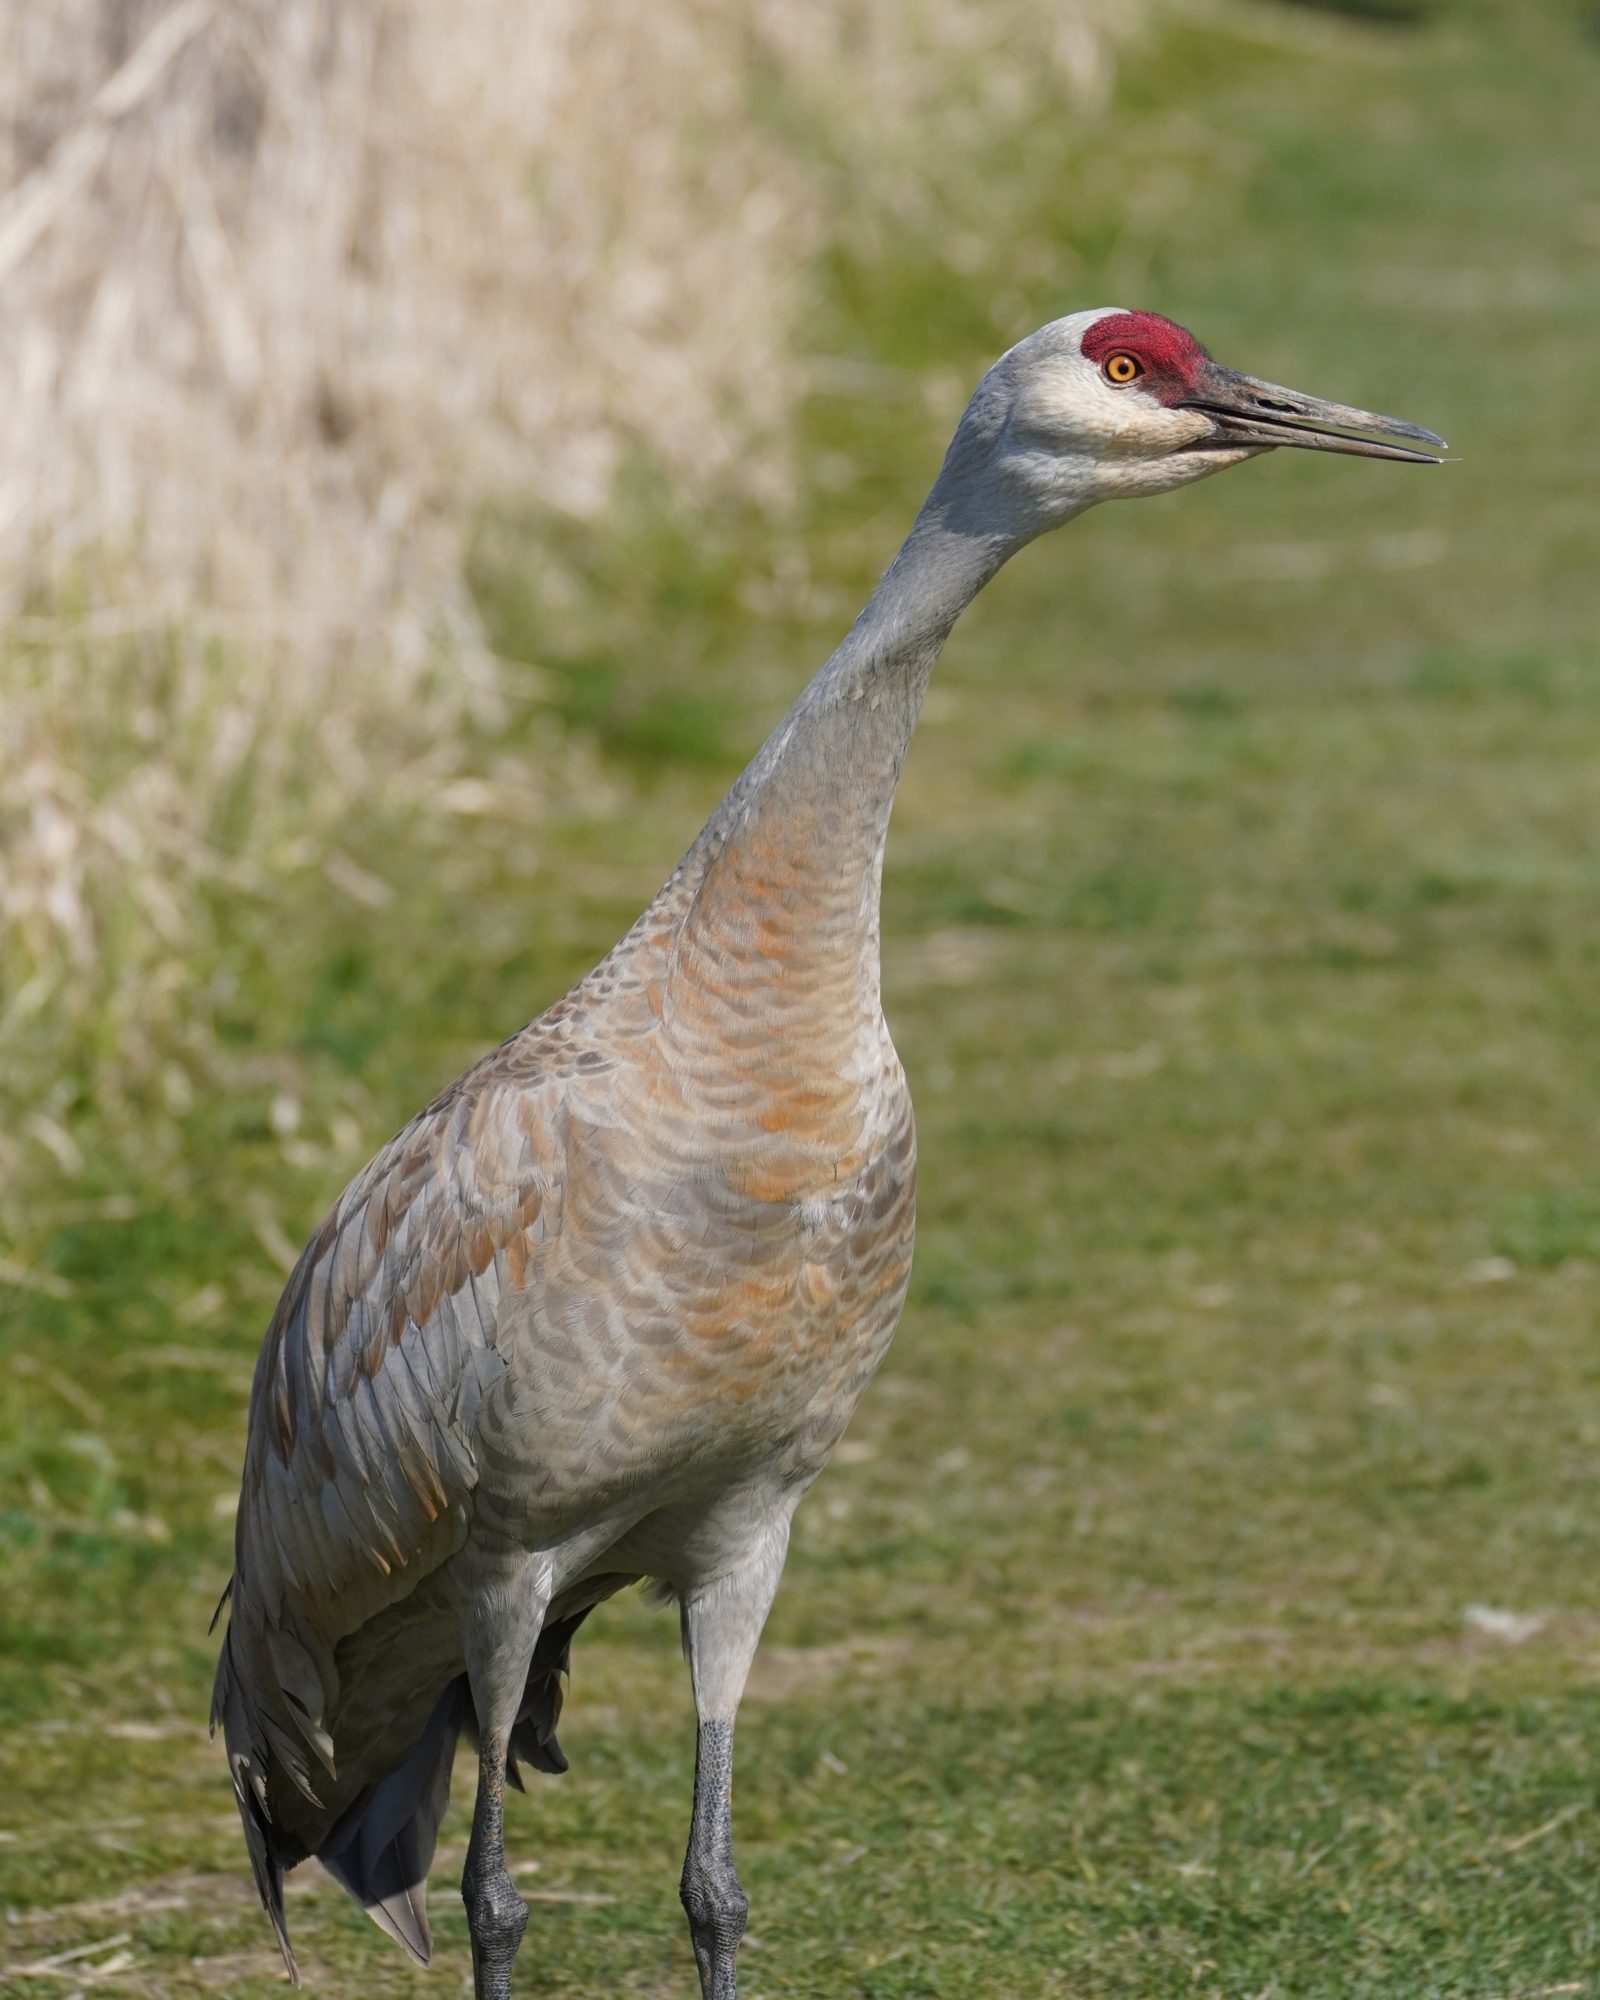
602, 1311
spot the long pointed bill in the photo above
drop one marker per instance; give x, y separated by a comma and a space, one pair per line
1248, 412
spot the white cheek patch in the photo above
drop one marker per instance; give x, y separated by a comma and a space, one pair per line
1131, 423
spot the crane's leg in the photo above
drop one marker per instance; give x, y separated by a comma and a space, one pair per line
502, 1630
721, 1628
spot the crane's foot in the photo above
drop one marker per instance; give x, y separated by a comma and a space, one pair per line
496, 1916
716, 1907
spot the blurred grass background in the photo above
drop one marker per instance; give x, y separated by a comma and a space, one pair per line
1203, 1602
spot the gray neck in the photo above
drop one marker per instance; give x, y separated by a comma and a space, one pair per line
826, 776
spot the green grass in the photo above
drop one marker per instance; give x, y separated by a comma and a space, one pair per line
1242, 943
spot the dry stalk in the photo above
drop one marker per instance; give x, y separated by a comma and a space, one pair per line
292, 288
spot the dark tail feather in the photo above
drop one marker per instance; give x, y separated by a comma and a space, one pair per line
381, 1849
533, 1735
265, 1866
533, 1740
270, 1850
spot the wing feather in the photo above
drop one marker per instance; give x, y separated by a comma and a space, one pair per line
360, 1463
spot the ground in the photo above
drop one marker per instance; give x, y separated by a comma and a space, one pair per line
1204, 1600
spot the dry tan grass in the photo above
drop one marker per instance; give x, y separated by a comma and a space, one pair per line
293, 287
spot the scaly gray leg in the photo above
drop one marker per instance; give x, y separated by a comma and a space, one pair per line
502, 1631
496, 1914
716, 1905
721, 1628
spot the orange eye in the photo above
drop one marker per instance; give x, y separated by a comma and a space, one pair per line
1122, 369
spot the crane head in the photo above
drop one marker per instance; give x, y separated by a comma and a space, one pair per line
1111, 404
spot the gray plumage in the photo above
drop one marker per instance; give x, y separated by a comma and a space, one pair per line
604, 1308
